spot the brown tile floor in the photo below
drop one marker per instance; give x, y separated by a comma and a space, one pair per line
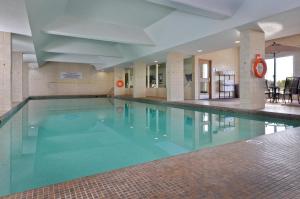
234, 104
265, 167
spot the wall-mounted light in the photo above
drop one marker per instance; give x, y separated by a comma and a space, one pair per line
155, 61
237, 42
199, 51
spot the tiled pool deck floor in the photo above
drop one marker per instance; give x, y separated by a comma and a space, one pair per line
234, 104
265, 167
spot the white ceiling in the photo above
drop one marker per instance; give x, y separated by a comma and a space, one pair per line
108, 33
213, 8
13, 17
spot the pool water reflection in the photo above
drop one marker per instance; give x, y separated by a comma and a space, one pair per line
51, 141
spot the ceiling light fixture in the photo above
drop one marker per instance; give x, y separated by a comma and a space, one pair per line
155, 61
237, 42
200, 51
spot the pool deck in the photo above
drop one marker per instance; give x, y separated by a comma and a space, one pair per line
279, 110
263, 167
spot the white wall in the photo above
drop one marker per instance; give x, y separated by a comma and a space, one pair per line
156, 92
17, 77
46, 80
227, 59
5, 72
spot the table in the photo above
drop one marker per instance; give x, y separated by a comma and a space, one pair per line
275, 91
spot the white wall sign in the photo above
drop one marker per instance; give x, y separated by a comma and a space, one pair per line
70, 75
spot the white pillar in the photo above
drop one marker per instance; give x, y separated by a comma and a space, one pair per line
25, 81
119, 74
175, 75
5, 71
148, 76
156, 76
139, 79
251, 88
196, 76
17, 76
297, 64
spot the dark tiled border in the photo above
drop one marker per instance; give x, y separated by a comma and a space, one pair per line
6, 116
65, 97
209, 108
212, 108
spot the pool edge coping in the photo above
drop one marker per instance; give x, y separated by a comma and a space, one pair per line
7, 115
181, 104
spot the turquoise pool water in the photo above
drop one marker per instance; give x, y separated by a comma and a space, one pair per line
51, 141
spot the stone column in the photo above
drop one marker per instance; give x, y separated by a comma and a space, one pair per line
175, 75
25, 81
17, 76
5, 71
119, 74
148, 76
139, 79
251, 88
156, 75
196, 75
297, 64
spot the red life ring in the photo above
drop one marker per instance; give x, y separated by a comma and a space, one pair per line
120, 83
258, 63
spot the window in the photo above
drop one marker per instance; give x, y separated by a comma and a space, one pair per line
284, 69
128, 78
157, 76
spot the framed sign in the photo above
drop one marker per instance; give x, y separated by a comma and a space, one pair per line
70, 75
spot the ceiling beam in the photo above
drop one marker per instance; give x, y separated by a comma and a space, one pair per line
103, 31
194, 8
69, 45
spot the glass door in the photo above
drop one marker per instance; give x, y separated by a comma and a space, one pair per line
205, 79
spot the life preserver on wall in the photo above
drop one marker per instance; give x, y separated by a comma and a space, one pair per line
120, 83
259, 67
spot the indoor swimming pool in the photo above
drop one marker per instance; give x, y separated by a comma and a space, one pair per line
53, 141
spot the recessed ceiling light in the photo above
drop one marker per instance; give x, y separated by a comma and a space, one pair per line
199, 51
156, 61
237, 42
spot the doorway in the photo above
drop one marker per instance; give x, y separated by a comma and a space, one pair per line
205, 71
